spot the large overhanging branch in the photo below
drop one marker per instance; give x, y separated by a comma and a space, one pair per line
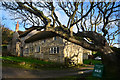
62, 32
96, 38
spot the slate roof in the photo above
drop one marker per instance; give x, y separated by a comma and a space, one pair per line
41, 35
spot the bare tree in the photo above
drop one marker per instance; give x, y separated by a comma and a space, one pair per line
92, 19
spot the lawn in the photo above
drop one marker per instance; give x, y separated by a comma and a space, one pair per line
24, 59
92, 61
30, 63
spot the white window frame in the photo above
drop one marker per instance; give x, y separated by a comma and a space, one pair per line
54, 50
31, 49
26, 50
43, 41
55, 38
37, 49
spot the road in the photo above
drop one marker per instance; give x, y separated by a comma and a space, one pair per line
9, 72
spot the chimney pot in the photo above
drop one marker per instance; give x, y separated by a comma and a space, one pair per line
17, 26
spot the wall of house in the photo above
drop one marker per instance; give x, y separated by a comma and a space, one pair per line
73, 52
86, 53
66, 49
15, 50
45, 46
89, 52
85, 56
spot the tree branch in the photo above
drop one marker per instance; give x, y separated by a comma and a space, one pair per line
114, 20
34, 11
91, 7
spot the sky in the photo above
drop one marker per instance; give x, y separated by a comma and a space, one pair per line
5, 19
7, 22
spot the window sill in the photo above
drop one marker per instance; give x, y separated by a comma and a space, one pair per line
54, 54
37, 52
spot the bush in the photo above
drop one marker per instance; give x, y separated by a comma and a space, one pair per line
4, 50
97, 54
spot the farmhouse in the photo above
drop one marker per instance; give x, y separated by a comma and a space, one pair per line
46, 45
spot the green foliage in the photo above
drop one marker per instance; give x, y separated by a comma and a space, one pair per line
94, 52
97, 54
6, 35
4, 47
92, 61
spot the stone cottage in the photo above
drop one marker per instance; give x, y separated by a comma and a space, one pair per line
46, 45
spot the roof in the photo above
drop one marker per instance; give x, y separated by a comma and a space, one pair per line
41, 35
27, 31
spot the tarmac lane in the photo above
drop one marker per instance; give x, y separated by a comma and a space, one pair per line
9, 72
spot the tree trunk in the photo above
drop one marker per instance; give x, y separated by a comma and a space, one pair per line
111, 61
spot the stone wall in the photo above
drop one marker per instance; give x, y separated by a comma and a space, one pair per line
73, 52
86, 53
15, 47
85, 56
66, 50
45, 46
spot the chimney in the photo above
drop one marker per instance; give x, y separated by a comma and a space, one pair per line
17, 27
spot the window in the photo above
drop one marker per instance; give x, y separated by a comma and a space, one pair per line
31, 49
54, 50
54, 38
26, 50
44, 41
37, 49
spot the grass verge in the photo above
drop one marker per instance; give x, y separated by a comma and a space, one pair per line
93, 62
30, 63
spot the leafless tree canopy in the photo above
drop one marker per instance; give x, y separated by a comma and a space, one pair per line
93, 20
